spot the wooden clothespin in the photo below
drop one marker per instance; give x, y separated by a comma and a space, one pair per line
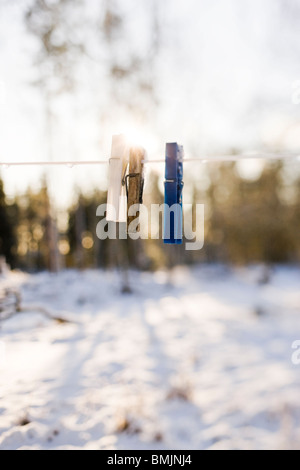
173, 194
135, 184
116, 195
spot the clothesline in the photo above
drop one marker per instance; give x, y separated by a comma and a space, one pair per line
203, 159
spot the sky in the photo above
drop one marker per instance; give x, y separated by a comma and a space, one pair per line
227, 77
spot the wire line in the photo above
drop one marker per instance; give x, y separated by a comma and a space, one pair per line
203, 159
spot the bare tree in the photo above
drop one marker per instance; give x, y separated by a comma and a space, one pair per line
48, 21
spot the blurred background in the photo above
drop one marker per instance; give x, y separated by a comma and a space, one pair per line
218, 77
202, 353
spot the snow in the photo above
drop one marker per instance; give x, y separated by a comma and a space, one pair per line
193, 359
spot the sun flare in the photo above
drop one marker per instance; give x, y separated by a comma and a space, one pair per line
140, 137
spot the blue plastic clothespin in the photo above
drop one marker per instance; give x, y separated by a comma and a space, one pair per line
173, 194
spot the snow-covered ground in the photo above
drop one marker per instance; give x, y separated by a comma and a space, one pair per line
193, 359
